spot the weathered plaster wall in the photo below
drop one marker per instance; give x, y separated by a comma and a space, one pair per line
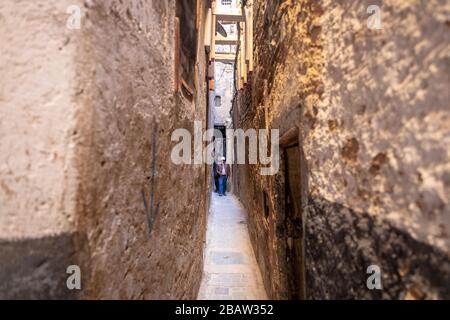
135, 113
385, 116
394, 128
89, 113
372, 108
38, 180
223, 73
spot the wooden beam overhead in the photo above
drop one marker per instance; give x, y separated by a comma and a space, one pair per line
225, 57
230, 40
235, 15
230, 17
226, 42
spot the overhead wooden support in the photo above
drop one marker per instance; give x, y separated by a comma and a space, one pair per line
230, 40
228, 17
243, 18
225, 57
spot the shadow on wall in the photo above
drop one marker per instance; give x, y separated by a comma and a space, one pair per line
341, 244
36, 268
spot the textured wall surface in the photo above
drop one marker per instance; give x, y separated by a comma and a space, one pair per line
373, 111
86, 121
385, 112
135, 112
223, 73
38, 180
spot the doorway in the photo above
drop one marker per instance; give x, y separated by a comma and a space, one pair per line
295, 200
221, 141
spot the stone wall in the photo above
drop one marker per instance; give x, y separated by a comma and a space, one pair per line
223, 73
38, 176
373, 117
86, 138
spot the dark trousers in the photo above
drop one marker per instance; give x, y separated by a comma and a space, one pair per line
223, 185
216, 182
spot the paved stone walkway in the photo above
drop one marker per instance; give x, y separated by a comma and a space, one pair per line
230, 269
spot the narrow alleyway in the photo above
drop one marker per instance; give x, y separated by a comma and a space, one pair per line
118, 117
230, 269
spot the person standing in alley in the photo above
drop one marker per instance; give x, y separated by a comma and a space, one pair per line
223, 171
